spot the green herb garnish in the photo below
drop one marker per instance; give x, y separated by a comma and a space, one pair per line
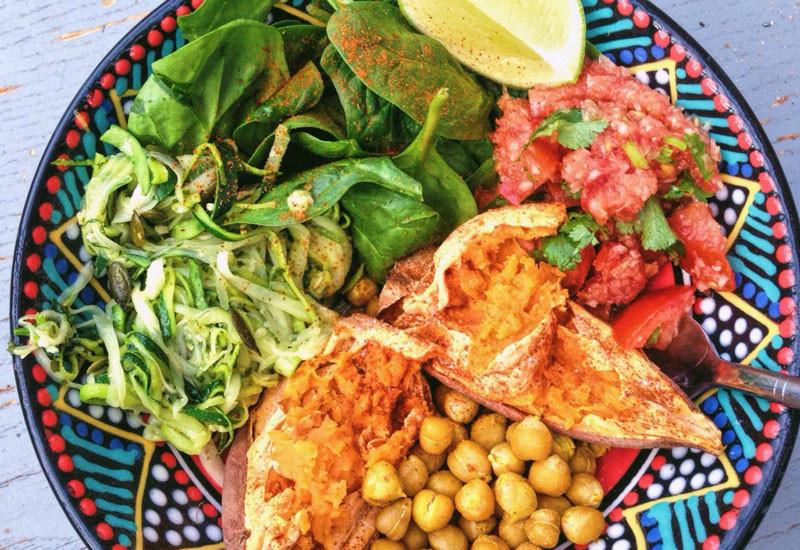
564, 249
686, 187
571, 130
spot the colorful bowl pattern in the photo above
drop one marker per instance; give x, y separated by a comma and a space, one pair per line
121, 491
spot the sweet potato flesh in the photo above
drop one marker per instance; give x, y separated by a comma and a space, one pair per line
497, 295
341, 416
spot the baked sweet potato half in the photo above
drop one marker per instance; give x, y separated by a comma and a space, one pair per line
511, 340
293, 475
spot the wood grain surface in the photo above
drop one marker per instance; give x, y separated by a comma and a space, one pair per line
49, 47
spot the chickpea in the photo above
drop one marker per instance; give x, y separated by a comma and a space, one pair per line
582, 525
489, 542
386, 544
373, 307
530, 439
598, 449
543, 528
488, 430
444, 483
458, 407
503, 460
433, 462
512, 531
448, 537
469, 461
362, 292
431, 511
559, 504
583, 461
514, 495
585, 490
550, 476
435, 435
475, 500
460, 433
413, 475
381, 484
474, 529
393, 520
415, 538
528, 546
563, 446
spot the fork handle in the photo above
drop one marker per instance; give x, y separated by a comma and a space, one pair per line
777, 387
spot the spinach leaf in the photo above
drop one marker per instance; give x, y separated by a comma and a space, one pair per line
407, 69
212, 14
442, 188
376, 124
465, 157
300, 93
387, 226
302, 43
326, 184
195, 89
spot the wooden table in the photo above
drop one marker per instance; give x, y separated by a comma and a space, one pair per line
49, 47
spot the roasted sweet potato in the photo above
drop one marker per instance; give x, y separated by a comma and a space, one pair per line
293, 476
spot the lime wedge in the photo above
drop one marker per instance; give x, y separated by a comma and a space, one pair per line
519, 43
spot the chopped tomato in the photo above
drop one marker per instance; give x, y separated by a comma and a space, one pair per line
575, 278
619, 275
653, 318
702, 237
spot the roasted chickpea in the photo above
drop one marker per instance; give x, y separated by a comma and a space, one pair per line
415, 538
431, 511
488, 430
475, 500
585, 490
435, 435
489, 542
512, 531
460, 433
559, 504
550, 476
433, 462
514, 495
362, 292
413, 475
469, 461
530, 439
448, 537
598, 449
528, 546
373, 307
444, 483
393, 520
583, 461
543, 528
474, 529
386, 544
582, 525
381, 484
503, 460
457, 406
563, 446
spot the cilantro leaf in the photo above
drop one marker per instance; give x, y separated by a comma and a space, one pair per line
629, 228
656, 232
686, 187
564, 249
697, 148
571, 130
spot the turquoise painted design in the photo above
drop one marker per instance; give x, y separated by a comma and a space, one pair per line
748, 446
756, 225
66, 204
115, 521
766, 285
731, 156
125, 540
746, 254
49, 293
762, 244
136, 77
693, 503
167, 48
696, 104
85, 465
623, 43
108, 506
599, 15
711, 503
713, 121
663, 515
99, 487
621, 25
723, 140
756, 212
687, 541
744, 402
121, 85
89, 144
72, 186
126, 457
764, 360
689, 89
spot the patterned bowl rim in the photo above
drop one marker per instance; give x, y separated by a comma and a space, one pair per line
767, 492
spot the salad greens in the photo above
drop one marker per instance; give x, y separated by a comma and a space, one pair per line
265, 168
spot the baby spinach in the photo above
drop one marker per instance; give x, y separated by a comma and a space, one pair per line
407, 68
195, 88
387, 226
442, 188
212, 14
465, 157
327, 184
302, 43
300, 93
376, 124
